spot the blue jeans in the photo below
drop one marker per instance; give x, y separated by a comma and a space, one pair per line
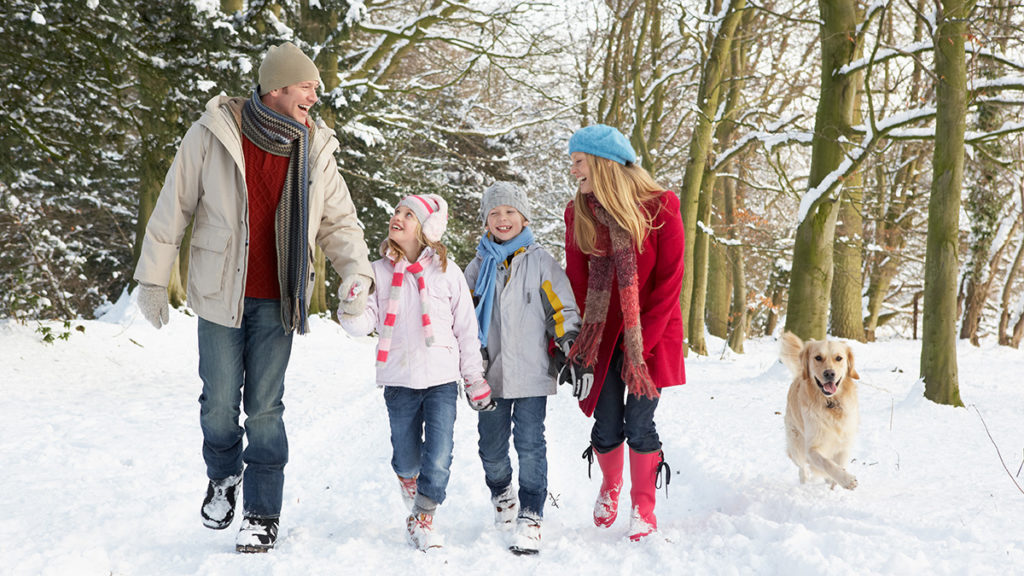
523, 419
423, 435
617, 420
245, 367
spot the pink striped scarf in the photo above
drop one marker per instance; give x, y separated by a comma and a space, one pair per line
397, 279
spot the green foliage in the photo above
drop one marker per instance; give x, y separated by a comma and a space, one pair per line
76, 129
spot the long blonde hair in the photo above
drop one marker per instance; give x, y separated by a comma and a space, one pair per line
622, 190
440, 249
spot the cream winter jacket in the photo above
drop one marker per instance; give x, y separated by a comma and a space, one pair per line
207, 180
533, 302
411, 363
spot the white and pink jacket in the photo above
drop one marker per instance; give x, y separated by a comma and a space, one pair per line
411, 363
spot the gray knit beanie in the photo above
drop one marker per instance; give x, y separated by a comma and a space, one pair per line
503, 194
285, 65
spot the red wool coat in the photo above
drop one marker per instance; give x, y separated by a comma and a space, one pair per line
659, 279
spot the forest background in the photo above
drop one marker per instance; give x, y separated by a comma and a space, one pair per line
846, 168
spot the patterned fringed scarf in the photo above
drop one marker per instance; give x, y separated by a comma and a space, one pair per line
613, 256
283, 136
401, 267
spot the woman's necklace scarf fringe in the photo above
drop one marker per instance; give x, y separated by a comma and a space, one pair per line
282, 136
394, 296
491, 253
614, 255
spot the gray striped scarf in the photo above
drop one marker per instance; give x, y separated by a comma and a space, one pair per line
282, 136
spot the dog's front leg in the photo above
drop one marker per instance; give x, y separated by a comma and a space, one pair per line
836, 473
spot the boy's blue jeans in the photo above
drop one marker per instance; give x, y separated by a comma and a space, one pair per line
244, 368
423, 435
523, 419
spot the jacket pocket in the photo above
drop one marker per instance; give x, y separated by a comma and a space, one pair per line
208, 259
441, 320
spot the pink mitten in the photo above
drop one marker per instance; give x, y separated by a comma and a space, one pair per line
478, 394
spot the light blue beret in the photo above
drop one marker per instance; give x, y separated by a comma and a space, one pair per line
604, 141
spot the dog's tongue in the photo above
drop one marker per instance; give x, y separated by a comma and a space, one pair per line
829, 387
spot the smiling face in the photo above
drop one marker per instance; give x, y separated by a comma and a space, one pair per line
403, 229
580, 169
293, 101
828, 364
505, 223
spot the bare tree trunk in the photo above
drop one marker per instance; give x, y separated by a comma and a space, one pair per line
848, 279
896, 217
708, 98
738, 309
780, 278
700, 268
1007, 296
732, 201
938, 324
811, 279
891, 232
985, 202
1018, 332
718, 292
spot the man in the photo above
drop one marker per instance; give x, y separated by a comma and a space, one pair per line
262, 182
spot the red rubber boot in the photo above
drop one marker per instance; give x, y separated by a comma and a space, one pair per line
606, 509
643, 474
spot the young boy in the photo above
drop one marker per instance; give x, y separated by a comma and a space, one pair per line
523, 300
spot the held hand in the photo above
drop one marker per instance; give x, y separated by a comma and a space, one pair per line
559, 358
353, 293
486, 357
152, 303
478, 395
580, 376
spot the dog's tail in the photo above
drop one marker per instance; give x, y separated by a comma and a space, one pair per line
790, 346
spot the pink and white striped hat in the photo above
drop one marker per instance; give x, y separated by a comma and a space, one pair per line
432, 212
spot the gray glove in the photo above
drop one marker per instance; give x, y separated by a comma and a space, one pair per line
353, 293
153, 304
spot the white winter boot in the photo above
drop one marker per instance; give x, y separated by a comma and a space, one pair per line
506, 508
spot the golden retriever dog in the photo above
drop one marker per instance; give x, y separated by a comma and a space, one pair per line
821, 409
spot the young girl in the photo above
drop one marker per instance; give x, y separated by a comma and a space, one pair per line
624, 257
423, 312
523, 301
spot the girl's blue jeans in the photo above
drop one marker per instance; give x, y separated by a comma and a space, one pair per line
422, 435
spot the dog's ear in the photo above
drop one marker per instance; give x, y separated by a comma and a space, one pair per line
849, 357
805, 361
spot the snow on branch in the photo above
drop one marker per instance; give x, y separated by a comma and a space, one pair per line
770, 137
883, 54
859, 152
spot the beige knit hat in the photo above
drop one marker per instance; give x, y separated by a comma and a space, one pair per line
285, 65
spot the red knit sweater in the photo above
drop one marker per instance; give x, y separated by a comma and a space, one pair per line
264, 178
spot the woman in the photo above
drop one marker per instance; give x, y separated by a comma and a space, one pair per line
624, 258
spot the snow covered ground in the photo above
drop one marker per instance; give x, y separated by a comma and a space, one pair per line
101, 471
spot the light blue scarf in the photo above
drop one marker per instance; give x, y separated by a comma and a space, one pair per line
491, 254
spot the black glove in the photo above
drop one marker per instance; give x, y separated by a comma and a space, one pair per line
581, 377
557, 361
